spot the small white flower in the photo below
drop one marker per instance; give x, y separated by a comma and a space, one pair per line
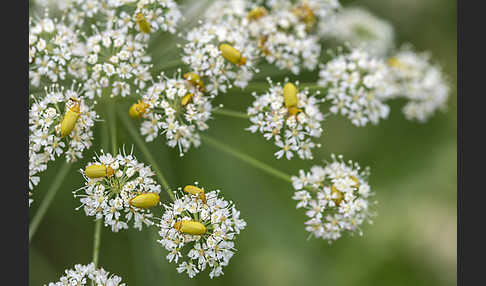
214, 223
177, 109
109, 197
335, 197
291, 128
419, 81
356, 87
45, 118
359, 28
87, 275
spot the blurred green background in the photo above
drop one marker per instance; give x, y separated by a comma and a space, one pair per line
412, 241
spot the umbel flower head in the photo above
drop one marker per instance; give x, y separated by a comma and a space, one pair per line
220, 54
118, 189
356, 87
336, 198
359, 28
59, 123
137, 17
289, 117
283, 34
175, 107
50, 50
198, 230
88, 275
419, 81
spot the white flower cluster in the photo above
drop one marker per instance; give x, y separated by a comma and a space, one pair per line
336, 198
112, 183
359, 28
285, 32
50, 49
292, 128
111, 62
88, 275
48, 135
177, 108
203, 54
356, 87
419, 81
109, 56
140, 17
198, 230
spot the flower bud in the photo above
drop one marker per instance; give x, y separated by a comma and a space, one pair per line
232, 54
143, 24
290, 95
195, 191
195, 80
257, 13
186, 99
98, 171
145, 201
138, 109
190, 227
69, 120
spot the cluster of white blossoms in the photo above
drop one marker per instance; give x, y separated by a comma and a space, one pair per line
50, 49
60, 123
356, 87
336, 198
221, 53
288, 116
117, 189
419, 81
198, 230
88, 275
285, 32
138, 17
175, 107
99, 43
357, 27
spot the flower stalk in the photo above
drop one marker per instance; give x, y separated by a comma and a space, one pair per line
143, 147
56, 184
246, 158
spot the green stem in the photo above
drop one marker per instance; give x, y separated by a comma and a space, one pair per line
56, 184
231, 113
143, 147
97, 239
246, 158
169, 65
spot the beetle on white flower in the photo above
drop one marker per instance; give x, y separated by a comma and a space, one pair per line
198, 230
119, 188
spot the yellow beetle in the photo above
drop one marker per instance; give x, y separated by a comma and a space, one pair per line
190, 227
290, 95
138, 109
195, 80
69, 120
257, 13
195, 191
145, 201
340, 195
98, 171
232, 54
143, 24
305, 14
187, 98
